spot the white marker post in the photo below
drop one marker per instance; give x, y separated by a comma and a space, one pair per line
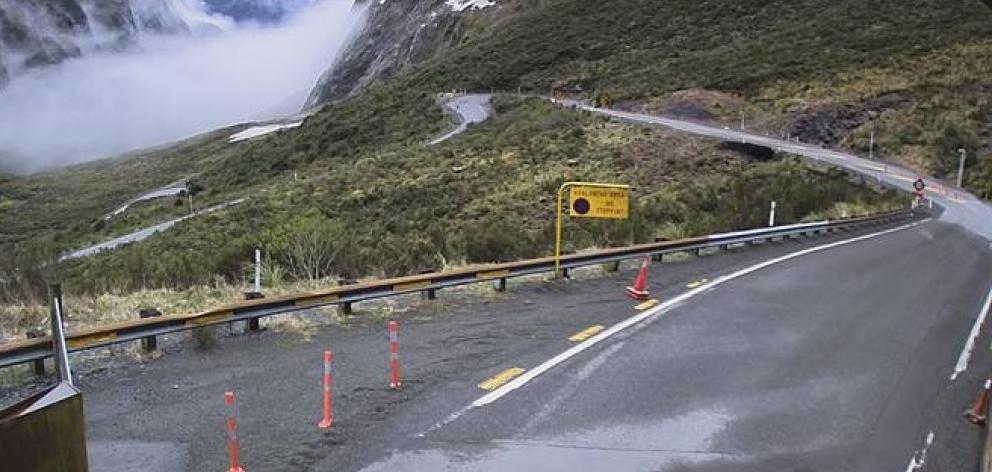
871, 145
961, 162
771, 215
258, 271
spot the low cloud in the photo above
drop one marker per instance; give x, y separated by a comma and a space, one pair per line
168, 88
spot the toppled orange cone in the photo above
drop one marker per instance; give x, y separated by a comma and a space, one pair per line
640, 291
977, 414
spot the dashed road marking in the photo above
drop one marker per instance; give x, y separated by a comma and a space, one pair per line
646, 316
962, 364
586, 333
501, 378
696, 283
648, 304
919, 459
654, 314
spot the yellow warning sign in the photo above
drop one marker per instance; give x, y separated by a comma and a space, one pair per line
599, 202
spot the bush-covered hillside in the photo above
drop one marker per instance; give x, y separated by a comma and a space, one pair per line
391, 209
917, 72
357, 181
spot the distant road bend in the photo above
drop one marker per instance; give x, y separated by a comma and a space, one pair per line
469, 109
176, 188
144, 233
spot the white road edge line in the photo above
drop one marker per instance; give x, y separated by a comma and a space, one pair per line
533, 373
578, 348
965, 356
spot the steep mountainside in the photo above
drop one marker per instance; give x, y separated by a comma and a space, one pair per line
402, 33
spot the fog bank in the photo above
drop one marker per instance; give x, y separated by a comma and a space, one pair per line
168, 88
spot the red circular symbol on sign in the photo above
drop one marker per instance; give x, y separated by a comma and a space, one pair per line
580, 206
919, 185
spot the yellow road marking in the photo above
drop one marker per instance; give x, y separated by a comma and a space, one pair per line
501, 378
648, 304
411, 286
696, 283
586, 333
90, 340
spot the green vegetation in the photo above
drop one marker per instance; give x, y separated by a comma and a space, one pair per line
789, 59
642, 48
372, 200
485, 196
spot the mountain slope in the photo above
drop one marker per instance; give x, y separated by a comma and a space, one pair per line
830, 73
358, 173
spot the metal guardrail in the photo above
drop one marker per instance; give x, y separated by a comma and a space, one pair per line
20, 352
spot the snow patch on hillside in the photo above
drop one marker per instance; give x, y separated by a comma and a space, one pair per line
257, 131
462, 5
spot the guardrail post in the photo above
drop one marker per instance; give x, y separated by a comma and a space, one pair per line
57, 323
430, 293
39, 364
660, 256
346, 308
149, 343
501, 284
253, 324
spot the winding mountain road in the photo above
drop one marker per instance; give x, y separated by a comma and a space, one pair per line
469, 109
854, 352
836, 360
176, 188
960, 206
143, 233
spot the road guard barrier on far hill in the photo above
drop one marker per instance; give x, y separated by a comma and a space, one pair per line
38, 348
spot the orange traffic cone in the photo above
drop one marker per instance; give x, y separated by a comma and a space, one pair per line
640, 291
976, 415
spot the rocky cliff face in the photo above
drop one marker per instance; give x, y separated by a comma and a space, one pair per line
38, 33
400, 34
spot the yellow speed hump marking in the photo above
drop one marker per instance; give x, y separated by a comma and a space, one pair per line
501, 378
648, 304
586, 333
696, 283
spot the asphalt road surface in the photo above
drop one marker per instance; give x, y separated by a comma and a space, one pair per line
144, 233
468, 109
171, 190
825, 362
833, 360
796, 356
